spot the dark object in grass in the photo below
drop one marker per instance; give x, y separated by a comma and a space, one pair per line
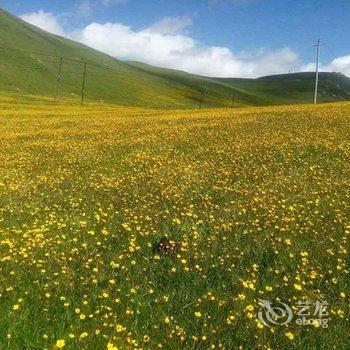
164, 246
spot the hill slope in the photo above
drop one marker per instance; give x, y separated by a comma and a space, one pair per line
26, 71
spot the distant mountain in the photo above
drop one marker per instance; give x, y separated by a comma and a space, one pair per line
30, 60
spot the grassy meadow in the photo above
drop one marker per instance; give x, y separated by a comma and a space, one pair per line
256, 200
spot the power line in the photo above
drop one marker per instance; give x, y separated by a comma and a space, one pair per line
330, 51
71, 72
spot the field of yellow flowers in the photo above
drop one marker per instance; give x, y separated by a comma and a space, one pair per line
253, 204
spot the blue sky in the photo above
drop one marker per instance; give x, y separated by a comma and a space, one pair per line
259, 33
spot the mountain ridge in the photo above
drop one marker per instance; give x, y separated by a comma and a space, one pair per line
30, 60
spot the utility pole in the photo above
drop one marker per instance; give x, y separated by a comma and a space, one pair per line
202, 94
83, 86
232, 100
58, 79
317, 67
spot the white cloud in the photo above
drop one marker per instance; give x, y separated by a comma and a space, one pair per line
171, 25
339, 65
112, 2
166, 44
84, 9
163, 44
44, 20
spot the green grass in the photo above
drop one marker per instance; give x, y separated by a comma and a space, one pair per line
257, 198
28, 74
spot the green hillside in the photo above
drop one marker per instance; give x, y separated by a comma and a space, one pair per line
29, 61
297, 87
